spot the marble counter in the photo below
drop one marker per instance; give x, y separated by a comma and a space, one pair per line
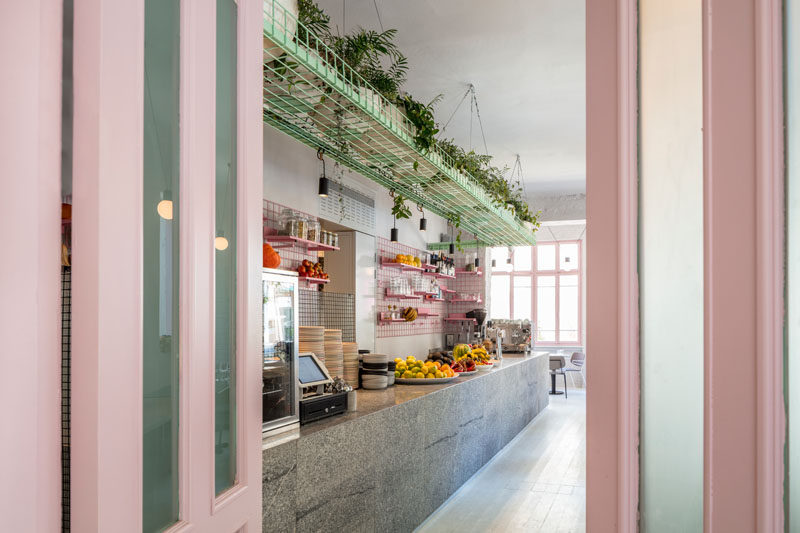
390, 464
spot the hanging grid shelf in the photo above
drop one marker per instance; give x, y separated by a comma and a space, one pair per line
313, 96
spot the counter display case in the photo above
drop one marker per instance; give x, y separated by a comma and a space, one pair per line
280, 407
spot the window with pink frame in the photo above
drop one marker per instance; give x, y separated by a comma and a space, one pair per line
540, 283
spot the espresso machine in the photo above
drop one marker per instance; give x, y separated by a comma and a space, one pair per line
516, 335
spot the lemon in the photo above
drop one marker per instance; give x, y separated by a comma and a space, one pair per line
397, 373
439, 374
408, 374
420, 375
429, 376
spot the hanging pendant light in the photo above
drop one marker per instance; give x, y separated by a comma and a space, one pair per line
323, 180
478, 255
164, 207
394, 232
452, 247
220, 242
423, 222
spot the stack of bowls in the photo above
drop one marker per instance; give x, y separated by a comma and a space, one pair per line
333, 352
312, 339
373, 371
391, 366
350, 361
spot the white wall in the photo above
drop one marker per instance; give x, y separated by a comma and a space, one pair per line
291, 174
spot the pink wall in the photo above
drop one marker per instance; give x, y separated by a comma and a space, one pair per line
107, 277
30, 344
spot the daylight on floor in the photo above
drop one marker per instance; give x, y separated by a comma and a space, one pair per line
397, 266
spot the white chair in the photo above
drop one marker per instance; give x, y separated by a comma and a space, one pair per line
577, 360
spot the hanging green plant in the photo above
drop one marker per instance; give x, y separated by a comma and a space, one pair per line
400, 209
421, 116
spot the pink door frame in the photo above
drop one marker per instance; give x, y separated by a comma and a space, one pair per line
30, 343
107, 302
612, 427
743, 176
743, 203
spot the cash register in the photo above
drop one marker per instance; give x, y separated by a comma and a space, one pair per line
315, 403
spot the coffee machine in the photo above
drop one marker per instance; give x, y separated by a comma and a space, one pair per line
516, 335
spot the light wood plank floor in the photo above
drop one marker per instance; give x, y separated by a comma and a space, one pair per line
536, 483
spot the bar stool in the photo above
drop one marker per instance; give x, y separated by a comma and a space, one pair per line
557, 364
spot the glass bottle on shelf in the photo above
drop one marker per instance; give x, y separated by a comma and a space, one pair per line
288, 223
314, 230
302, 227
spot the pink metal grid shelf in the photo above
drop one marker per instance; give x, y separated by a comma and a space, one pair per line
402, 296
285, 241
429, 320
315, 281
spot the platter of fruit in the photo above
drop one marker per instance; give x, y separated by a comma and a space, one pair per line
444, 358
465, 366
412, 371
310, 270
409, 260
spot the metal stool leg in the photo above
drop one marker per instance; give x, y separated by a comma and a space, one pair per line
565, 385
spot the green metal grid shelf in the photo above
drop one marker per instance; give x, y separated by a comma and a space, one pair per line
313, 96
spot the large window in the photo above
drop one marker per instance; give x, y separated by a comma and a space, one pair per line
542, 284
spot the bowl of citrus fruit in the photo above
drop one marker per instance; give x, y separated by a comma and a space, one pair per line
411, 371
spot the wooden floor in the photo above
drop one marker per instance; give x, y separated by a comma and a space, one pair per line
536, 483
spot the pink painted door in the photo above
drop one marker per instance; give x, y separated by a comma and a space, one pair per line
166, 248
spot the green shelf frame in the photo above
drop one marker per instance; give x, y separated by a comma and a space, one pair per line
313, 96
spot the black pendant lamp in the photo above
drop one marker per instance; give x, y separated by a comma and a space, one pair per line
478, 255
323, 180
394, 230
423, 222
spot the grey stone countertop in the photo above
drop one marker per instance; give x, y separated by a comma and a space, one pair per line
372, 401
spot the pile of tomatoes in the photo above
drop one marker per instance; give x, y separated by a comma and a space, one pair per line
307, 269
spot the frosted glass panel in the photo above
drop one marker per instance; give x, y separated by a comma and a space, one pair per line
546, 257
546, 308
671, 265
792, 107
523, 257
225, 254
523, 297
500, 257
568, 306
501, 303
568, 256
160, 264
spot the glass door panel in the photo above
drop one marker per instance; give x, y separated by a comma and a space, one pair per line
792, 150
225, 244
279, 400
160, 232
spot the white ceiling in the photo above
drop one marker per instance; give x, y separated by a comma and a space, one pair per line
524, 57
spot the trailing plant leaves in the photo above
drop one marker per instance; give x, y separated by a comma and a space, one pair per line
400, 209
421, 115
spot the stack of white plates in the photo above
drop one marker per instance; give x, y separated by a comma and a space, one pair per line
373, 371
312, 339
333, 352
350, 362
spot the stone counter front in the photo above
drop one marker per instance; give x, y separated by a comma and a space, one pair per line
396, 460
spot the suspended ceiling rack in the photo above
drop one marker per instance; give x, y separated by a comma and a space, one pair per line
313, 96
